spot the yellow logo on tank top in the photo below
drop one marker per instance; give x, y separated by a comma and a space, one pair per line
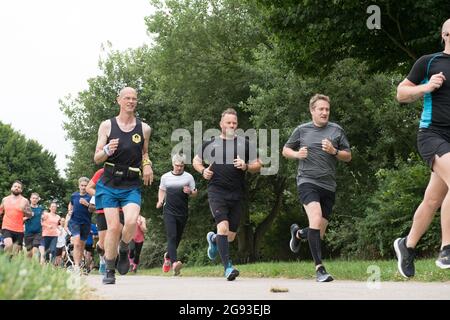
136, 138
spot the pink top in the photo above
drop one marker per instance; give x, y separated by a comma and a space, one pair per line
50, 225
139, 235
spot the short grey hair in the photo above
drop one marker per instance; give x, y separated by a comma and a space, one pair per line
178, 158
83, 179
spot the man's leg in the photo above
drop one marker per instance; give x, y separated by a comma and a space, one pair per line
404, 247
171, 235
442, 168
131, 213
8, 242
112, 238
434, 195
78, 250
222, 242
317, 227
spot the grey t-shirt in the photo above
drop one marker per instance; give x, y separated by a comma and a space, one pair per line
319, 167
176, 202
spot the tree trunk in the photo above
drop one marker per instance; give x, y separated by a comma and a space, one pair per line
265, 225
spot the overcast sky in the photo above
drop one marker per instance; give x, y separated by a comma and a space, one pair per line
49, 48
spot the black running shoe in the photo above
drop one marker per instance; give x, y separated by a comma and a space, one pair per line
405, 257
322, 275
443, 261
294, 243
109, 277
123, 265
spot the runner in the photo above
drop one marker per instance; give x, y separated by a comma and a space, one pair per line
227, 158
317, 145
14, 208
122, 146
33, 227
174, 190
79, 221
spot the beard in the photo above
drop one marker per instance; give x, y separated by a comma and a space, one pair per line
16, 193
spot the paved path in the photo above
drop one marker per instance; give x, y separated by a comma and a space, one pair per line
192, 288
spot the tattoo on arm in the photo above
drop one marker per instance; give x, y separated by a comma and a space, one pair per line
27, 210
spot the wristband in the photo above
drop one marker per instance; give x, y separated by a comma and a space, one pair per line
146, 162
106, 150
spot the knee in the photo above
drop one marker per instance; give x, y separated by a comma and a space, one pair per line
433, 203
114, 228
222, 229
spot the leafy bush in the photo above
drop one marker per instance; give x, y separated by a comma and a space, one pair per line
389, 213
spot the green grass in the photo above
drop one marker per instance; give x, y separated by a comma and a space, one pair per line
25, 279
340, 269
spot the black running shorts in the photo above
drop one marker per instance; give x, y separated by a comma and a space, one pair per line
432, 143
226, 210
17, 237
101, 221
309, 192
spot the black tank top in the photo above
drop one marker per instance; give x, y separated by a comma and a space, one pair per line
128, 154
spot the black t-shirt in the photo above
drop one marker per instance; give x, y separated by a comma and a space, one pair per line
436, 106
227, 181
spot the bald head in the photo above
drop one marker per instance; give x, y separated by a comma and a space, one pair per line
126, 90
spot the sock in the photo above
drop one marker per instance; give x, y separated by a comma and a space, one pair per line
224, 249
123, 246
303, 233
314, 245
321, 268
110, 264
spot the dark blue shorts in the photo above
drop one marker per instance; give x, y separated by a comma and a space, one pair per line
81, 230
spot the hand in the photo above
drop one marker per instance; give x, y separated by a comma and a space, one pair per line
240, 164
208, 173
147, 175
302, 153
328, 147
84, 202
159, 205
187, 190
435, 82
113, 145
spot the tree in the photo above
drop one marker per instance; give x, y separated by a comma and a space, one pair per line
313, 35
26, 160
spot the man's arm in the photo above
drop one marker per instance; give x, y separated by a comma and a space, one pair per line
289, 153
161, 197
344, 155
2, 206
254, 166
197, 163
27, 212
101, 155
408, 91
147, 171
90, 188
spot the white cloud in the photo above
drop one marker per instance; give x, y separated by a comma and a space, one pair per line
49, 50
